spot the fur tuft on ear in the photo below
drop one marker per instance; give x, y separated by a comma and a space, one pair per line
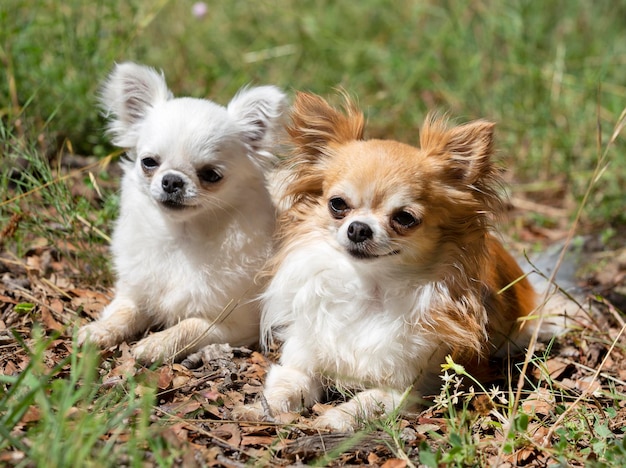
260, 112
466, 168
127, 95
316, 124
468, 148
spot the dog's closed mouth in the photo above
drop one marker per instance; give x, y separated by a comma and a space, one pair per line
174, 205
361, 255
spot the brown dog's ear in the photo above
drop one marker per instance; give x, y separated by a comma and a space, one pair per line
467, 148
315, 124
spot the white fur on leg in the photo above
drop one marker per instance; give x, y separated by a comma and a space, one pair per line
120, 320
187, 337
364, 406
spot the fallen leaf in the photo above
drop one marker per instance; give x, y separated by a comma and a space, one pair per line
394, 463
180, 380
9, 368
212, 395
286, 418
553, 367
426, 428
234, 433
32, 414
586, 384
435, 424
165, 377
49, 321
541, 401
124, 370
7, 299
258, 440
181, 409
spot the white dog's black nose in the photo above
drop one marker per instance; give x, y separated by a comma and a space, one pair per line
359, 232
172, 183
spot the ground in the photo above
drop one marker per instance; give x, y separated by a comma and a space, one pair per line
584, 370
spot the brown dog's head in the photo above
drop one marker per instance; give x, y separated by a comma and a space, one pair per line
426, 208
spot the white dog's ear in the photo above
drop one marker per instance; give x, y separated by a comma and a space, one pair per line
126, 97
260, 113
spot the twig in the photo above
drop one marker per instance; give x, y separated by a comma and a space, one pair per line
87, 223
229, 462
267, 412
217, 440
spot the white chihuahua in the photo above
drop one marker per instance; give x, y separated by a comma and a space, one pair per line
196, 219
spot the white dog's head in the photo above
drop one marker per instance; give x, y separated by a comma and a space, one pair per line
188, 154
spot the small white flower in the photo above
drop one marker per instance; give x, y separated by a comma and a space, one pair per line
441, 401
496, 394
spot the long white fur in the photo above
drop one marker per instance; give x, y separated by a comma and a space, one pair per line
355, 330
192, 271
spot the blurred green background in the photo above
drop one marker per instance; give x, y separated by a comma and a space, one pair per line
550, 73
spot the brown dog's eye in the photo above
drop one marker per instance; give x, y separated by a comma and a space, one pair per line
338, 207
404, 220
209, 175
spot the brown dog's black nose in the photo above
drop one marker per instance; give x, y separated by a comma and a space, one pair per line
172, 183
359, 232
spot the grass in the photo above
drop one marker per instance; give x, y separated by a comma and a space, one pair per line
543, 76
77, 424
42, 205
551, 77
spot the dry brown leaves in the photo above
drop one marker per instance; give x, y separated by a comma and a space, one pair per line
195, 398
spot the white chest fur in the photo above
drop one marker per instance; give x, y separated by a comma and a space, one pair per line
349, 320
175, 272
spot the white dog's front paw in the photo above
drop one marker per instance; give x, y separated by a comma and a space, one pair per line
100, 334
336, 420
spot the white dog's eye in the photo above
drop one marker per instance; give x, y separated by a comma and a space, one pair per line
149, 164
404, 220
209, 175
338, 207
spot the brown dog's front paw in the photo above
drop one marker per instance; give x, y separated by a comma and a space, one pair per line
336, 420
152, 349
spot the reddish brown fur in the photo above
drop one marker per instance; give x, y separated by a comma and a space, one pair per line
456, 185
